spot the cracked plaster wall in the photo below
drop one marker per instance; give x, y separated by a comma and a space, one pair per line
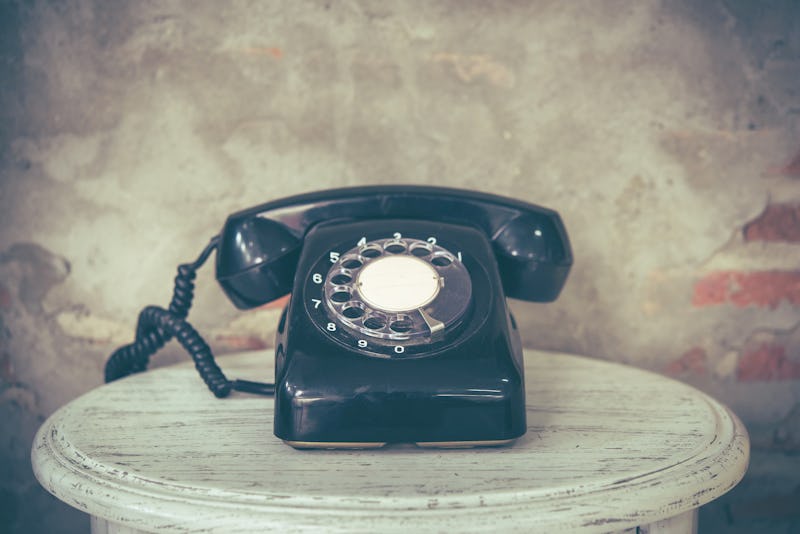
664, 133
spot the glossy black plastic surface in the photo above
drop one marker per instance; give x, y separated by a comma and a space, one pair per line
259, 246
257, 259
468, 387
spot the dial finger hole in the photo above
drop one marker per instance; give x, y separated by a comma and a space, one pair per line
421, 250
340, 296
353, 310
401, 325
351, 262
370, 251
374, 322
442, 260
395, 247
341, 278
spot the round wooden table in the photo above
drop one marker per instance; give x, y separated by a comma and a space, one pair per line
608, 448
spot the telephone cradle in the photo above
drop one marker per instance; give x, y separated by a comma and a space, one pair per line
397, 329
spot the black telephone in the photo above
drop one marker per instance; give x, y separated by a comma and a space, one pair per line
397, 329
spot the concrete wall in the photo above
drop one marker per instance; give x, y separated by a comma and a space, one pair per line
666, 134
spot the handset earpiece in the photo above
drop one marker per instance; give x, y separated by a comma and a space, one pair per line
256, 260
533, 257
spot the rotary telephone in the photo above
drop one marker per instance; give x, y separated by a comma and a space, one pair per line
397, 328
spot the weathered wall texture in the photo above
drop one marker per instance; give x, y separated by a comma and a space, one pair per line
666, 134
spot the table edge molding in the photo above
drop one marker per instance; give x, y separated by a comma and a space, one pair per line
90, 486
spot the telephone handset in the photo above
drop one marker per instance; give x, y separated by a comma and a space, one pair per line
397, 329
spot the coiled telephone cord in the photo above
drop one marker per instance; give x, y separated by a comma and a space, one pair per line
156, 326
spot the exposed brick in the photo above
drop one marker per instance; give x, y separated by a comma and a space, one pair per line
778, 222
767, 362
693, 361
763, 289
231, 342
793, 167
711, 289
276, 304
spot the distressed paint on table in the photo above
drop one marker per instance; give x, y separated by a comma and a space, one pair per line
608, 447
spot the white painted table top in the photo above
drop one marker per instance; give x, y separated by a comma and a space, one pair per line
608, 447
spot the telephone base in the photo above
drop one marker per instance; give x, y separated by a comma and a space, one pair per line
464, 444
380, 444
335, 444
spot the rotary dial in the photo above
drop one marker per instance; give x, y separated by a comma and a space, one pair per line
395, 295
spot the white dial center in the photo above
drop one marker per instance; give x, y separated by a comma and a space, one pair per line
398, 283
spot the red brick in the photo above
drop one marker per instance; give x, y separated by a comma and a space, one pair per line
693, 361
242, 342
711, 289
763, 289
793, 167
778, 222
767, 362
276, 304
